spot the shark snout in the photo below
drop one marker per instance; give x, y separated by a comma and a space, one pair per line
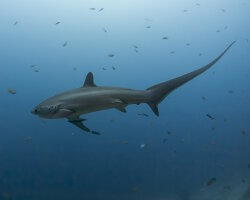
34, 111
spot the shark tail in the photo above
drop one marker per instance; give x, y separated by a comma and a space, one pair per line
160, 91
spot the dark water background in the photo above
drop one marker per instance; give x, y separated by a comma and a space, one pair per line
51, 159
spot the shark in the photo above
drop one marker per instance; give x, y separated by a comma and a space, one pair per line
92, 98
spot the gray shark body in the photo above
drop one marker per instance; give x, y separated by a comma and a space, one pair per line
91, 98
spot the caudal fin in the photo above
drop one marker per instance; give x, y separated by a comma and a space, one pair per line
158, 92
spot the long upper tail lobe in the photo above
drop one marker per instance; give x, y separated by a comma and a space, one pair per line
158, 92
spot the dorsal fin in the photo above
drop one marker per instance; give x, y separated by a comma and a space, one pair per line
89, 80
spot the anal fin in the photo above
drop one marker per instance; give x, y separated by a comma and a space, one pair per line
120, 105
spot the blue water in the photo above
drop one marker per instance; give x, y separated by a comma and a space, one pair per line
184, 149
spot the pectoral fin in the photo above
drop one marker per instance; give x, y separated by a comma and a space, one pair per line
79, 124
77, 121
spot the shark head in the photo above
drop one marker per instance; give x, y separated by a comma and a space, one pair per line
51, 111
45, 111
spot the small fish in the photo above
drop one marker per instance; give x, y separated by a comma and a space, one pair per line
95, 132
213, 128
92, 8
169, 133
197, 4
16, 22
74, 178
74, 68
185, 10
136, 51
57, 23
135, 46
101, 9
187, 44
217, 31
143, 114
111, 55
203, 98
211, 181
243, 132
249, 166
65, 44
243, 180
200, 54
36, 70
223, 10
227, 187
134, 189
164, 38
209, 116
113, 68
111, 120
143, 146
104, 69
172, 52
6, 196
27, 138
225, 27
164, 140
11, 91
32, 66
104, 30
230, 91
148, 27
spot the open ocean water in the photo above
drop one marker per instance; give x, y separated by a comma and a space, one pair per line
48, 46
